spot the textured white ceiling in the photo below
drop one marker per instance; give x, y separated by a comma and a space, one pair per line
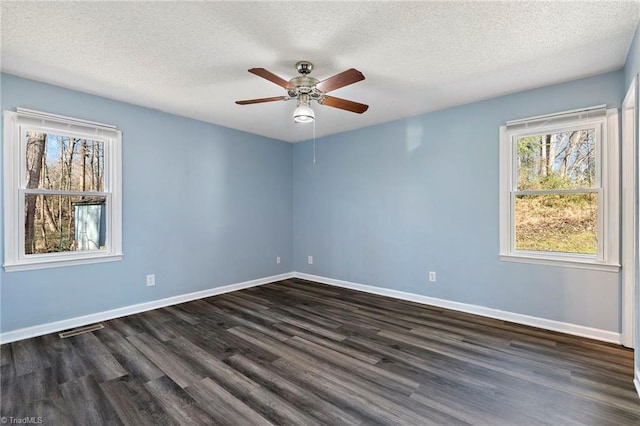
191, 58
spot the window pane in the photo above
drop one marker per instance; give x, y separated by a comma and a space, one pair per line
58, 223
566, 223
565, 160
64, 163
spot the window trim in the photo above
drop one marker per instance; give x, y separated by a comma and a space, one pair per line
14, 124
608, 257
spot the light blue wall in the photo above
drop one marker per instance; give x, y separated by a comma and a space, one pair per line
204, 206
632, 65
207, 206
386, 204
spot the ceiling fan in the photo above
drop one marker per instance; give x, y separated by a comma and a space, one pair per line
305, 89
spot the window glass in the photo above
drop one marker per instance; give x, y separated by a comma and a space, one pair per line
59, 162
563, 160
565, 223
61, 223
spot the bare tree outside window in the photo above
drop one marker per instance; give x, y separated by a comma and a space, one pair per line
66, 175
556, 207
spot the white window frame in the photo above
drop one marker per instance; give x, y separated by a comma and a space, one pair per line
16, 124
606, 123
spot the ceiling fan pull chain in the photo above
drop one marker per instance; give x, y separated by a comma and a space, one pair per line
314, 141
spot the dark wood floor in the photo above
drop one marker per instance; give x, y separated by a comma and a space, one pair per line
302, 353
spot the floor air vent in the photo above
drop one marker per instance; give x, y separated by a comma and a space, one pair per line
80, 330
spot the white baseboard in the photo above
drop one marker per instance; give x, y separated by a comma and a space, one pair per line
636, 380
52, 327
563, 327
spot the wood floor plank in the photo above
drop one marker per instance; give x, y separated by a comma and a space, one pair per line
331, 344
214, 368
87, 403
37, 385
225, 408
126, 326
366, 383
524, 374
469, 416
97, 357
177, 403
64, 358
431, 364
299, 352
244, 301
5, 355
182, 314
321, 359
309, 326
278, 410
300, 397
133, 403
129, 357
173, 366
350, 363
299, 312
28, 356
50, 411
262, 314
9, 395
356, 394
270, 330
156, 327
223, 343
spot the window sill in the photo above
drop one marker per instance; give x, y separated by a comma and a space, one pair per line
566, 263
57, 263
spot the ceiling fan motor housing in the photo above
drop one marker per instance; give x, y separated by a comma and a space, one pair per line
304, 84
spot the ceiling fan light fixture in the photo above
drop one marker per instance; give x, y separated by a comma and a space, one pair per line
303, 113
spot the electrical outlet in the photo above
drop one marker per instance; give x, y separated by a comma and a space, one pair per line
310, 260
432, 276
278, 259
151, 280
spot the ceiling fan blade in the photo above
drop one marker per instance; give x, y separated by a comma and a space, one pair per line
345, 104
345, 78
257, 101
261, 72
